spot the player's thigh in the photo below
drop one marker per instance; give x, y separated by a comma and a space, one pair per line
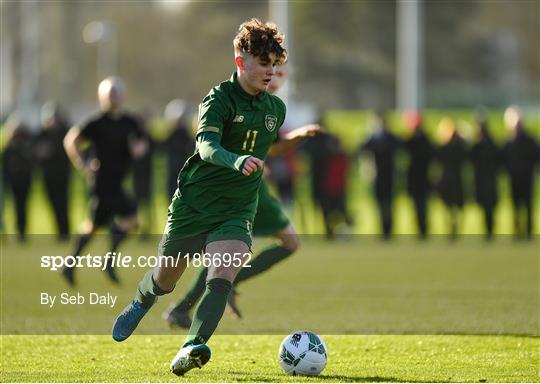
270, 217
100, 210
126, 211
229, 247
174, 253
227, 258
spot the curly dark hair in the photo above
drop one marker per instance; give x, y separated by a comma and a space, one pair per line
260, 40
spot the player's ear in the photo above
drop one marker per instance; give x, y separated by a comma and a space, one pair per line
239, 62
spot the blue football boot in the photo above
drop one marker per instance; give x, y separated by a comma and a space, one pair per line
127, 321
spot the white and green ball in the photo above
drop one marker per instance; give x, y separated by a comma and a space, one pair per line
302, 353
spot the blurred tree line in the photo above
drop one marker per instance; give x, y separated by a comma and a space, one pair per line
344, 52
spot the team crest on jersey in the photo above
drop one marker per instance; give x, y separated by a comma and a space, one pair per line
270, 121
238, 119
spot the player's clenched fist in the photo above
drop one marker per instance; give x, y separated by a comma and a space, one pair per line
251, 165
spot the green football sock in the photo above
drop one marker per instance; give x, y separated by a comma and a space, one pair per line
209, 311
196, 290
148, 291
266, 259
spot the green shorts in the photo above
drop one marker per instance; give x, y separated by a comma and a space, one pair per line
189, 231
270, 217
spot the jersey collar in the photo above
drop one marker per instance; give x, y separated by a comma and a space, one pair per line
256, 101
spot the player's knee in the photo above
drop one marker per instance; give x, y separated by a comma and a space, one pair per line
87, 228
221, 273
292, 244
289, 240
128, 223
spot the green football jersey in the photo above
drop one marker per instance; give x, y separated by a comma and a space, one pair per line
248, 125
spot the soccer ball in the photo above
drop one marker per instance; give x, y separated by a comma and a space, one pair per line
302, 353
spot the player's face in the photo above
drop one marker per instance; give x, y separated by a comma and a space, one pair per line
280, 76
258, 73
111, 99
511, 119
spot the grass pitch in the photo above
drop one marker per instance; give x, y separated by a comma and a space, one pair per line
404, 311
254, 359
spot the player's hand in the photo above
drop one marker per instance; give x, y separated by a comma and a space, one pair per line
252, 165
91, 168
138, 148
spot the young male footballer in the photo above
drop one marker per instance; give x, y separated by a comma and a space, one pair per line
270, 220
214, 205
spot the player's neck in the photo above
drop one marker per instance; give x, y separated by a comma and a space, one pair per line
113, 112
245, 85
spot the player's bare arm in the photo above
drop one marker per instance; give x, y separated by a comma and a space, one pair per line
294, 138
72, 144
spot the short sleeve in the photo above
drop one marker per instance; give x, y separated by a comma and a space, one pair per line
212, 113
88, 130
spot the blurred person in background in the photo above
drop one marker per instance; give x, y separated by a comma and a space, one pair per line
179, 145
117, 138
521, 156
334, 193
282, 172
421, 153
383, 145
451, 156
142, 182
17, 168
485, 157
328, 169
52, 158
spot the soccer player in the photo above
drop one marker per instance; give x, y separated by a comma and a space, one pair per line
270, 220
214, 205
116, 138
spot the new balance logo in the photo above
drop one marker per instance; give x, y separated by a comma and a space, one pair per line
238, 119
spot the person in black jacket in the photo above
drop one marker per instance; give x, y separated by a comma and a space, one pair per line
486, 157
17, 168
383, 146
452, 156
521, 156
51, 156
421, 153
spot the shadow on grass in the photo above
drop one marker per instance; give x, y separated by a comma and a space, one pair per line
254, 377
367, 379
